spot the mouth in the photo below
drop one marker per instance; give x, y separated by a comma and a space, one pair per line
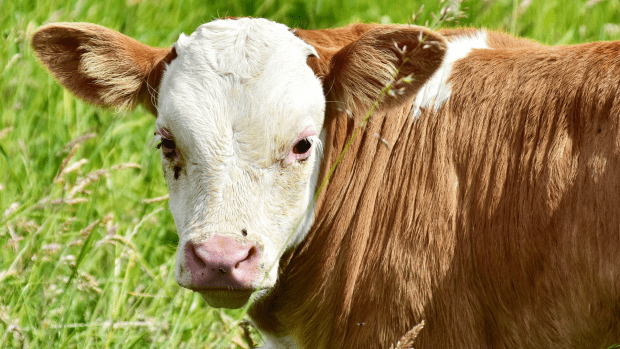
226, 298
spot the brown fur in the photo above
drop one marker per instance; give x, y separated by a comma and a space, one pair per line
496, 219
343, 63
102, 66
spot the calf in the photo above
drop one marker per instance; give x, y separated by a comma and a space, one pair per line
480, 197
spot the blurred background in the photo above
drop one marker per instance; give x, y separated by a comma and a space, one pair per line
87, 243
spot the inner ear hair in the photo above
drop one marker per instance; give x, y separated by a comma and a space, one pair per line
102, 66
361, 70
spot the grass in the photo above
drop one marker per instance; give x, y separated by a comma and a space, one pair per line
87, 250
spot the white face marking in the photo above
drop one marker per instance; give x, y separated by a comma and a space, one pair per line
437, 90
235, 100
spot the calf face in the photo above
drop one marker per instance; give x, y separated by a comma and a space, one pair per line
240, 116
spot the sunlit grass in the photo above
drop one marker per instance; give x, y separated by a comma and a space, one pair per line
86, 259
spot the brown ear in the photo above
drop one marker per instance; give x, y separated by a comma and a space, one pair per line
102, 66
357, 72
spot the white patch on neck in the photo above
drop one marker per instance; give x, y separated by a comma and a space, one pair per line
273, 342
437, 90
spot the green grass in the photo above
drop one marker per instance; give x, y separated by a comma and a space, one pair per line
90, 263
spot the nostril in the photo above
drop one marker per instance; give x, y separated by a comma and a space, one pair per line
196, 257
222, 261
244, 232
251, 253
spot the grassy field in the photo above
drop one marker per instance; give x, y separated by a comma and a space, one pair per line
87, 243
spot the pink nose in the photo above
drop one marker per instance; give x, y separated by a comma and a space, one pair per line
222, 262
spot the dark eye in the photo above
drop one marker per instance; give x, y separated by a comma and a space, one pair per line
168, 143
302, 146
167, 147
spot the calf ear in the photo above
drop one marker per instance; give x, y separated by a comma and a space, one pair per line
360, 70
102, 66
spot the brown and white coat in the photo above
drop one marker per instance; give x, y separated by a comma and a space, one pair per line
482, 198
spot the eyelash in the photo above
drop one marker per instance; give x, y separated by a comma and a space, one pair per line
166, 143
168, 148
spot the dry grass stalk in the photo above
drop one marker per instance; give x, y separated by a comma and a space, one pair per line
245, 325
75, 142
5, 131
406, 342
107, 324
61, 170
157, 199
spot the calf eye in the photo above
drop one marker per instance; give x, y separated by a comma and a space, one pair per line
169, 150
302, 146
167, 147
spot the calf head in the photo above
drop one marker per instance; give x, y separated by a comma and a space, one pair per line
240, 108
